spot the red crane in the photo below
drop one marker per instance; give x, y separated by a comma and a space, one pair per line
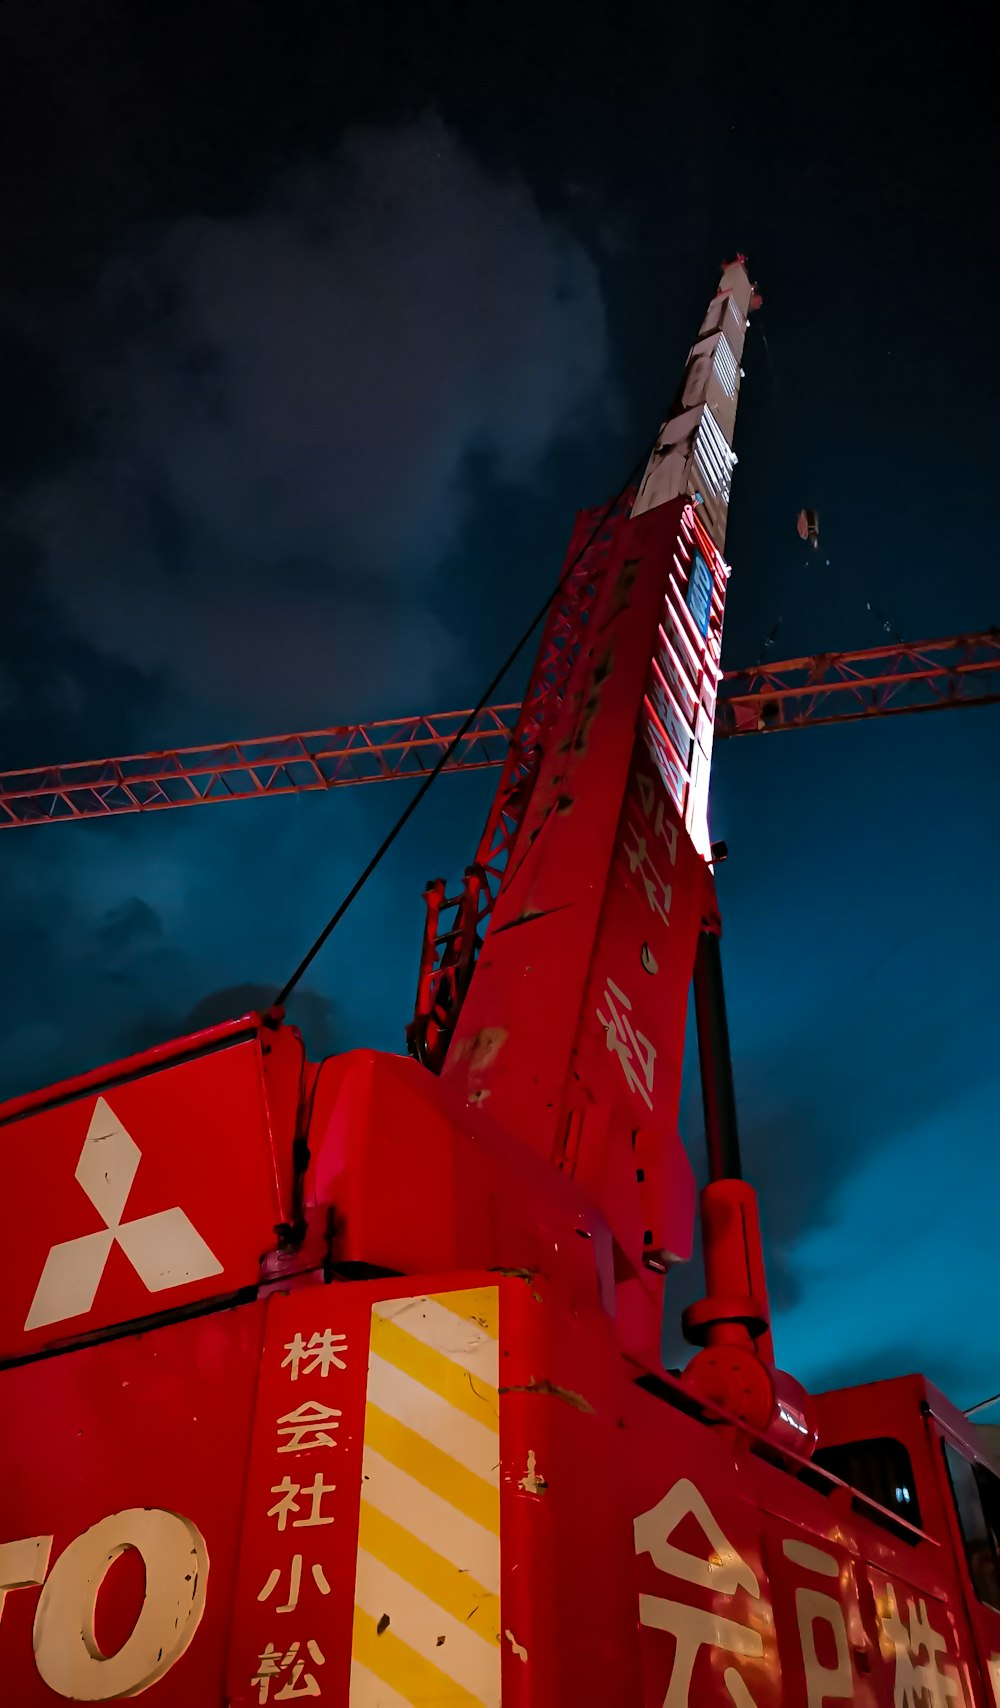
343, 1380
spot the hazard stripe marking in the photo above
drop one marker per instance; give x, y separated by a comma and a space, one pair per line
452, 1588
480, 1304
456, 1535
401, 1396
367, 1691
437, 1471
436, 1371
428, 1566
464, 1341
414, 1680
418, 1621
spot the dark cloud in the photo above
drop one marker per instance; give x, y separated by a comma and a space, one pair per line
949, 1373
309, 1010
281, 420
818, 1105
112, 933
128, 923
819, 1099
279, 411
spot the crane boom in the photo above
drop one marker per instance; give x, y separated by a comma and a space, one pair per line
843, 687
343, 1380
822, 688
668, 590
557, 998
343, 755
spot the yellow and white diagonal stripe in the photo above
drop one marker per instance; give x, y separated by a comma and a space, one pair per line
427, 1592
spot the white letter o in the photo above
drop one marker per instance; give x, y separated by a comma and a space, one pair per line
176, 1561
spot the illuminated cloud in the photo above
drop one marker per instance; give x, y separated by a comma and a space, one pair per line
280, 413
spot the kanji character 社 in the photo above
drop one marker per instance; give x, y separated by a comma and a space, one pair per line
288, 1492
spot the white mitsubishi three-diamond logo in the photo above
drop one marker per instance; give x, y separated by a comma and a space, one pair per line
165, 1249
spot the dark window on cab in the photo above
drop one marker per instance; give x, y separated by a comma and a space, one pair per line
977, 1501
881, 1469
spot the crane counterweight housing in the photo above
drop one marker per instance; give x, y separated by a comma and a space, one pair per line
342, 1381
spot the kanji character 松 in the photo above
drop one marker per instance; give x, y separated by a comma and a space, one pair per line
272, 1664
627, 1043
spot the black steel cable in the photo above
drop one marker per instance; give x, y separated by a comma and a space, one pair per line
482, 702
982, 1405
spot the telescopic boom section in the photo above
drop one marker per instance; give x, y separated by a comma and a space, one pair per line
692, 459
592, 875
594, 880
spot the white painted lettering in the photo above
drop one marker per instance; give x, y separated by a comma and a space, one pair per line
66, 1650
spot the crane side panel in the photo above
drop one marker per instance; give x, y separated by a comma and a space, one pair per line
705, 1617
630, 1045
154, 1193
372, 1527
433, 1489
139, 1444
524, 999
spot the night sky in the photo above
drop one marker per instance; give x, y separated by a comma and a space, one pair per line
317, 324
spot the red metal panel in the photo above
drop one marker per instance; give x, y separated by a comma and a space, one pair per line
300, 1527
386, 1137
541, 939
568, 1581
160, 1421
644, 1556
756, 1590
628, 1055
142, 1194
603, 900
451, 943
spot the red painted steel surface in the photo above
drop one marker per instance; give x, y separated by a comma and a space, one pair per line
417, 1184
572, 1029
161, 1420
143, 1191
646, 1556
520, 1020
451, 942
298, 1546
